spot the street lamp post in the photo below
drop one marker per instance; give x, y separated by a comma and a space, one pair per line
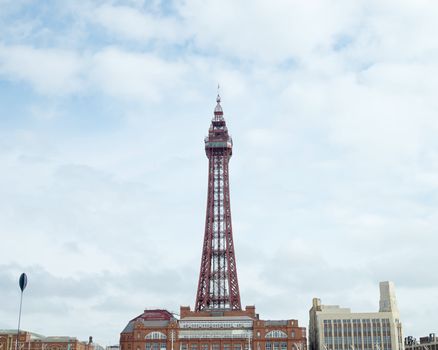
172, 335
22, 283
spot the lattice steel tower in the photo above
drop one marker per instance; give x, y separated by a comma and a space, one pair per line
218, 288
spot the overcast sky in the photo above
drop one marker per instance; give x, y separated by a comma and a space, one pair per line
334, 176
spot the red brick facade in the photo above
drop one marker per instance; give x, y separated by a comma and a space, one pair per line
32, 341
216, 330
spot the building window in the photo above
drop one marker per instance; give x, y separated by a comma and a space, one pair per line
183, 346
148, 346
162, 346
276, 334
268, 346
204, 346
227, 347
237, 347
283, 345
156, 335
194, 347
215, 347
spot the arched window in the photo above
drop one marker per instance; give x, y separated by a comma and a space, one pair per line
276, 334
156, 335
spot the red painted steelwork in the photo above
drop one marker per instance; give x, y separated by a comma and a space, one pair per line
218, 288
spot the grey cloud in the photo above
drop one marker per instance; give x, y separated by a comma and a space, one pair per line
43, 284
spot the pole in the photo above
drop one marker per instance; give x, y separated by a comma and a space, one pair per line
19, 320
22, 282
172, 333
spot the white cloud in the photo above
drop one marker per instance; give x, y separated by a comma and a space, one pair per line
49, 71
134, 75
116, 72
131, 23
259, 30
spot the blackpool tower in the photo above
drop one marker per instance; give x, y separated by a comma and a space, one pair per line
218, 322
218, 288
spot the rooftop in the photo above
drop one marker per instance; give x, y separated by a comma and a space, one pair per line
217, 318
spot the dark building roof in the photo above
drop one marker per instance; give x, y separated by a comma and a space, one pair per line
150, 318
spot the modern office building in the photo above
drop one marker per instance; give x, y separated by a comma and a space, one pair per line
218, 322
334, 328
429, 342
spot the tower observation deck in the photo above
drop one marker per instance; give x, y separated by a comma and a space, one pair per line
218, 288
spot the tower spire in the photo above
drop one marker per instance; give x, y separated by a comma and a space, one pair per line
218, 287
218, 112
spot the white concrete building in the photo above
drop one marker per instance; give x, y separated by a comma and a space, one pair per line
334, 328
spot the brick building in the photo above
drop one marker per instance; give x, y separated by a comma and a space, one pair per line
32, 341
429, 342
211, 330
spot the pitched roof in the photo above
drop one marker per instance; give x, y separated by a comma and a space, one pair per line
151, 318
